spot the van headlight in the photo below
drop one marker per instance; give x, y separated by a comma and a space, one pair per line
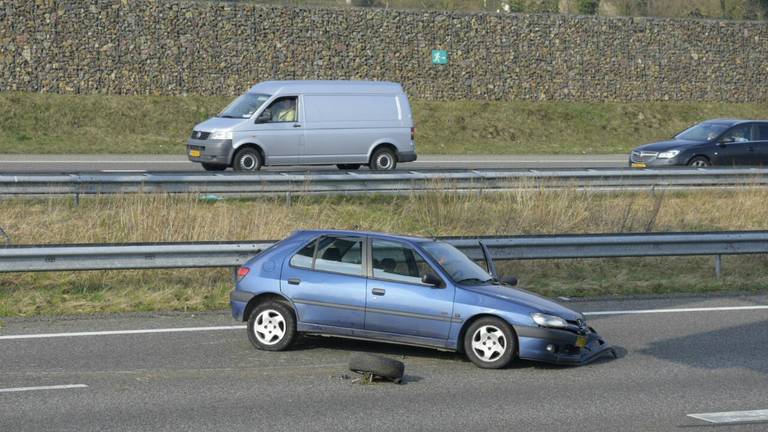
221, 135
668, 154
545, 320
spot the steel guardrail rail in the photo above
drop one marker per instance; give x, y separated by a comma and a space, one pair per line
270, 183
31, 258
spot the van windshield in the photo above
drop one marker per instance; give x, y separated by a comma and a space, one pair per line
244, 106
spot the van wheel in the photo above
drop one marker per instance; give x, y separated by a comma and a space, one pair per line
349, 167
383, 159
248, 159
212, 167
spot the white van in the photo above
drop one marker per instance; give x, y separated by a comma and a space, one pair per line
342, 123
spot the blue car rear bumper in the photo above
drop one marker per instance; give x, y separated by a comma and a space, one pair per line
533, 342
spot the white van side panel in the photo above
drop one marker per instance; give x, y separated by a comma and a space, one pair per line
344, 128
346, 108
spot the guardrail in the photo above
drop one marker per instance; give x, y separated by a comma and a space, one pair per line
267, 183
30, 258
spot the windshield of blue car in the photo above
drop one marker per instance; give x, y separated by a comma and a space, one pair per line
458, 266
703, 132
244, 106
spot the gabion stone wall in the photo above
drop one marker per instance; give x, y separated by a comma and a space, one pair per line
179, 47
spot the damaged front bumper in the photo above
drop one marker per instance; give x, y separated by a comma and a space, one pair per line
561, 346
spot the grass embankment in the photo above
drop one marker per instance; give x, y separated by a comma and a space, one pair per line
87, 124
185, 218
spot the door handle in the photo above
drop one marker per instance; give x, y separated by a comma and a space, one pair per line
296, 125
294, 281
378, 291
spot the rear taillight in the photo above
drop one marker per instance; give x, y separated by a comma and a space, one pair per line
242, 272
413, 133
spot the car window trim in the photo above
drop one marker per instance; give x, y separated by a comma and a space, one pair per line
369, 269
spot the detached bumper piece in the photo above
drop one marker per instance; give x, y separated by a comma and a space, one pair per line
561, 346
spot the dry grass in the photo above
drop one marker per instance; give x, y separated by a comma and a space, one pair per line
157, 218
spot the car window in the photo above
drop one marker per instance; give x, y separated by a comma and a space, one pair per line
762, 132
303, 259
398, 262
339, 255
284, 109
741, 133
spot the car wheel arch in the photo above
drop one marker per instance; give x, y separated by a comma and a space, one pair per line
379, 145
264, 297
467, 323
248, 144
698, 155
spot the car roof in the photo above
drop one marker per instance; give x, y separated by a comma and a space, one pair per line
326, 86
377, 234
732, 122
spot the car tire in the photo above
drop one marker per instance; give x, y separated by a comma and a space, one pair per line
248, 159
490, 343
699, 162
213, 167
383, 159
377, 366
349, 167
272, 326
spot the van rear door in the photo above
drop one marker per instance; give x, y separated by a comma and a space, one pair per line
341, 128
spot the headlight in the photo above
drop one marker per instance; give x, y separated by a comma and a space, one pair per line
221, 135
668, 154
545, 320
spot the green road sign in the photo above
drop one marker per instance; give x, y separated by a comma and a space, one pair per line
439, 57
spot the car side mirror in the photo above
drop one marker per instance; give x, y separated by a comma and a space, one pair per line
264, 117
432, 280
510, 280
727, 140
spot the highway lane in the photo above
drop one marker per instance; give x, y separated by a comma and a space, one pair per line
672, 364
159, 163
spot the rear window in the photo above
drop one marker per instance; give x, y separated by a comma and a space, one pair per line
762, 132
332, 254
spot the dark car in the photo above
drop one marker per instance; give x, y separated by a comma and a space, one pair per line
720, 142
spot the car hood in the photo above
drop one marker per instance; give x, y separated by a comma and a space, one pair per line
215, 124
526, 298
668, 145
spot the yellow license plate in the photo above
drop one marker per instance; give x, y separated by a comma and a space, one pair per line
194, 153
638, 165
581, 341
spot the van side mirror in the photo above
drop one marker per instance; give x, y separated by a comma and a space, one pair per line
510, 280
431, 279
265, 116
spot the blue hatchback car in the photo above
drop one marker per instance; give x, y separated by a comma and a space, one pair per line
405, 290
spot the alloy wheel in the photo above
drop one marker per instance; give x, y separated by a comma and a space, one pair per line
269, 327
489, 343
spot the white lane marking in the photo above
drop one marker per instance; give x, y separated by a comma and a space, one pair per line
679, 310
54, 387
241, 327
121, 332
733, 416
123, 171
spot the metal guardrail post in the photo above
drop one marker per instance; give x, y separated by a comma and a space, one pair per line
718, 266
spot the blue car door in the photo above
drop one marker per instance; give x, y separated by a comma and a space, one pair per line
326, 282
397, 301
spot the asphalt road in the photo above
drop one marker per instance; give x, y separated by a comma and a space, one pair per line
672, 364
156, 163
